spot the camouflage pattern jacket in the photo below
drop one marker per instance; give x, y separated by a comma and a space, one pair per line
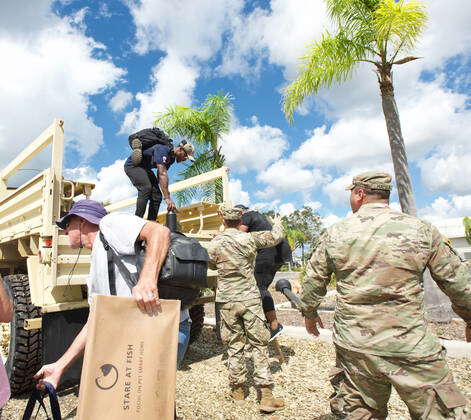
233, 254
378, 256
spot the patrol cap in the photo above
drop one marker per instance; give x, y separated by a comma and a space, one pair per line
231, 213
188, 148
241, 206
372, 180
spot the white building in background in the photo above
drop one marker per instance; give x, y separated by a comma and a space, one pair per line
453, 229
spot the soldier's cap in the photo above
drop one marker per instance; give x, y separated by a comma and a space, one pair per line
90, 210
231, 213
241, 206
188, 148
372, 180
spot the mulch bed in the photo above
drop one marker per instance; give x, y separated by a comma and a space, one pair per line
202, 384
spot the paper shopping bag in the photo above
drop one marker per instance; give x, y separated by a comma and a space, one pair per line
129, 366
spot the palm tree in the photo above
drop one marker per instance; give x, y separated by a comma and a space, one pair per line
204, 126
371, 31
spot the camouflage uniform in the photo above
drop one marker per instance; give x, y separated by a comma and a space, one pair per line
233, 254
378, 256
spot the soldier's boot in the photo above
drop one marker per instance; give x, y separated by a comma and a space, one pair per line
136, 147
268, 403
238, 393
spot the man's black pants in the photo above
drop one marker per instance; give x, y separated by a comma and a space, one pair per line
148, 190
264, 274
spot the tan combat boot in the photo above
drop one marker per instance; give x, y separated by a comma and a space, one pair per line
268, 403
238, 393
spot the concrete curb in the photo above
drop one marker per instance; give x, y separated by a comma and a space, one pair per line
454, 348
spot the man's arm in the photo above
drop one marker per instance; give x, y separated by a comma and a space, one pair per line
452, 276
318, 275
163, 184
157, 239
243, 228
6, 306
269, 238
52, 373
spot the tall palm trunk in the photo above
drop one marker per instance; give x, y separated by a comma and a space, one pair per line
396, 142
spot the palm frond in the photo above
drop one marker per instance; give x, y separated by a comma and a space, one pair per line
330, 60
400, 23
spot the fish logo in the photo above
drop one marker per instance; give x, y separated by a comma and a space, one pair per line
108, 378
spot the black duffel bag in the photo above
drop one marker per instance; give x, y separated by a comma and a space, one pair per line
150, 137
182, 276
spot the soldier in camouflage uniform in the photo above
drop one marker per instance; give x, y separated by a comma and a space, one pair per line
378, 256
233, 254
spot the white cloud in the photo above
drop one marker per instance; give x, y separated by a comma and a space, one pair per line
330, 219
286, 209
279, 34
237, 194
286, 176
188, 33
111, 182
173, 82
447, 173
443, 208
253, 148
51, 71
187, 29
315, 205
120, 100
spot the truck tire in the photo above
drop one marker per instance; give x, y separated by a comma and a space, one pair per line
197, 322
24, 354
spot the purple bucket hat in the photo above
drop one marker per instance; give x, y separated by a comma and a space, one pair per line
90, 210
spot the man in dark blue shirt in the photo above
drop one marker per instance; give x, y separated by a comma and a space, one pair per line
151, 187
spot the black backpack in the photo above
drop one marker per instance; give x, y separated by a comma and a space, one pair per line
150, 137
284, 254
182, 276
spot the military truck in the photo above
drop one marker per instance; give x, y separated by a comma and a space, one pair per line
45, 277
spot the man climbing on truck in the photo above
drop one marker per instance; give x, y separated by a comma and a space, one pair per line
139, 168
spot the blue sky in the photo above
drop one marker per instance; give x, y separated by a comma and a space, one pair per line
106, 67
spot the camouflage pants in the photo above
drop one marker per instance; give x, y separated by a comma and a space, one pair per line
362, 387
243, 328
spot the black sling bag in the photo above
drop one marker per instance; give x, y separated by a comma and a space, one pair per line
182, 276
38, 396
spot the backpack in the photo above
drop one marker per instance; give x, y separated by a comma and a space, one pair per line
150, 137
182, 276
284, 254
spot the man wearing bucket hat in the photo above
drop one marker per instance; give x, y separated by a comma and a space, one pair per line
150, 187
381, 337
233, 254
83, 225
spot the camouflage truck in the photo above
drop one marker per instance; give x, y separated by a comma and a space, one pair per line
45, 277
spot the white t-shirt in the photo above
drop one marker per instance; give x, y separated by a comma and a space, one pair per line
121, 231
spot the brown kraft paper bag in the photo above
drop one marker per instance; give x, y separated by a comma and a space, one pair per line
129, 366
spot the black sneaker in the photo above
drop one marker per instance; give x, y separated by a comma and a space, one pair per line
275, 333
136, 147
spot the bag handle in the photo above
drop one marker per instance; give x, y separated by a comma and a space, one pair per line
38, 396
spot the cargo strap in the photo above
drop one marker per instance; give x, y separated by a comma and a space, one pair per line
113, 258
38, 396
111, 274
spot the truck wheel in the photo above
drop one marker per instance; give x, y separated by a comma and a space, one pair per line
197, 321
24, 350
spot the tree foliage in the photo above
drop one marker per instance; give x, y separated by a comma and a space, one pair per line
204, 126
373, 31
302, 228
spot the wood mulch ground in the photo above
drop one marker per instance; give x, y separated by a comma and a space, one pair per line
202, 384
